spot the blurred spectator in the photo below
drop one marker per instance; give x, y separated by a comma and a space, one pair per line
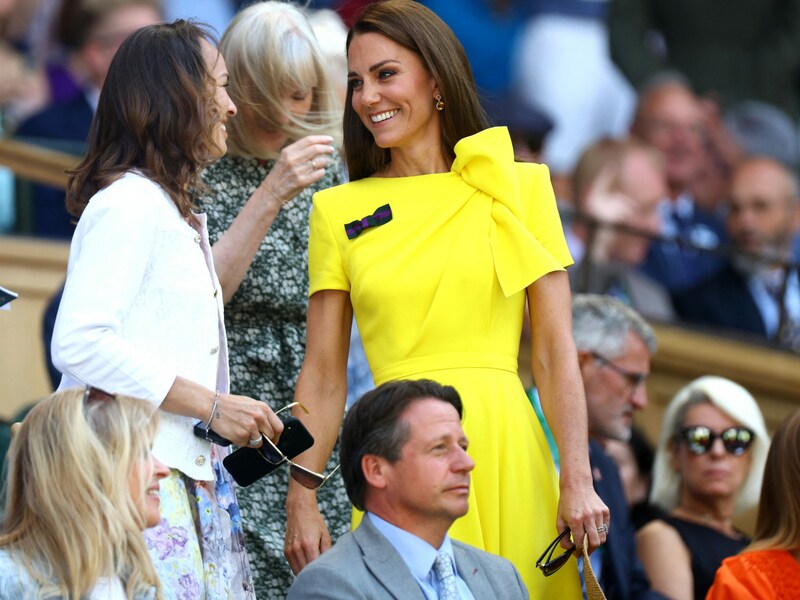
91, 31
756, 292
709, 462
769, 568
25, 86
562, 64
671, 118
615, 345
634, 459
762, 129
733, 50
618, 186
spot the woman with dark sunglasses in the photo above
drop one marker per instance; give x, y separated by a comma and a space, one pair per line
708, 468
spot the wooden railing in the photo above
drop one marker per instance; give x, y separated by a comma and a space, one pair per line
34, 268
35, 163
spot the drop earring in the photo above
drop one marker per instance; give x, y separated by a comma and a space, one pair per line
439, 103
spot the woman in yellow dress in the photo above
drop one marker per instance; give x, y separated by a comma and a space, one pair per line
435, 245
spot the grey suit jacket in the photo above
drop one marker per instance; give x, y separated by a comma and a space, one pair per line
364, 564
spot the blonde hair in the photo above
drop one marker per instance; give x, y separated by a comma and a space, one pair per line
270, 48
738, 404
778, 522
69, 513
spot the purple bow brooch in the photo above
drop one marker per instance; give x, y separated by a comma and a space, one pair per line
382, 214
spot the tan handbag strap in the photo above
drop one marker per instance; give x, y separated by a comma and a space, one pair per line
593, 589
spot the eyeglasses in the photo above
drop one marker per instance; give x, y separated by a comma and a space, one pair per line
550, 565
93, 394
273, 455
700, 439
633, 378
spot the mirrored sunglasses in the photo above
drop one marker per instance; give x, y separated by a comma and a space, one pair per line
699, 439
547, 563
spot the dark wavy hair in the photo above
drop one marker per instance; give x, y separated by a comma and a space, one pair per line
374, 425
156, 115
420, 30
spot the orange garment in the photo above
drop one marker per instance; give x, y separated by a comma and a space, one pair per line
762, 575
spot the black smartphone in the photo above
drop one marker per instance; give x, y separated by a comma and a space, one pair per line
210, 435
247, 465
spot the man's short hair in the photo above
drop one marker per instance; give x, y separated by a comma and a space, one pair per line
601, 324
373, 426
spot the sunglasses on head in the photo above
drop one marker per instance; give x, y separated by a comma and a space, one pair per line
699, 439
550, 565
93, 394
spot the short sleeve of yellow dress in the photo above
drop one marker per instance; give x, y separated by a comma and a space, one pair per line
437, 269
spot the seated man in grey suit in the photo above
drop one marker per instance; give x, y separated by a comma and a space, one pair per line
404, 461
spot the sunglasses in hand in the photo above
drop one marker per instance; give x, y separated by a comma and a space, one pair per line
550, 564
248, 465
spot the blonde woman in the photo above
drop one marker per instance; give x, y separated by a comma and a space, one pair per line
708, 468
280, 152
82, 484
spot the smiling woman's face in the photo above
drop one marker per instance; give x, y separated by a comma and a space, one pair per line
215, 65
393, 93
144, 485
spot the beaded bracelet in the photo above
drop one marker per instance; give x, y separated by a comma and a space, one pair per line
213, 411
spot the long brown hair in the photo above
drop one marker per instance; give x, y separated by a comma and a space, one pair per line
155, 115
420, 30
778, 522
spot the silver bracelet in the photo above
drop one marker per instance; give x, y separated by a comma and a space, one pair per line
213, 411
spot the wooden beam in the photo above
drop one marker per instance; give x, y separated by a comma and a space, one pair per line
36, 163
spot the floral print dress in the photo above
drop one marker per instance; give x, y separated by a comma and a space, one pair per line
266, 326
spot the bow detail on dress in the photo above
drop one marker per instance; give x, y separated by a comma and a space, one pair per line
486, 162
382, 215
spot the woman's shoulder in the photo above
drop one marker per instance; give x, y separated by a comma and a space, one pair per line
15, 582
659, 533
133, 194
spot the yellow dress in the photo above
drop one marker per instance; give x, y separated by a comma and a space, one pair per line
438, 292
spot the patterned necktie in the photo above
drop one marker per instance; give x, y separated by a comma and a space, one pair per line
443, 568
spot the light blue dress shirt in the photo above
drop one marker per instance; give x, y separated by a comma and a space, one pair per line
419, 556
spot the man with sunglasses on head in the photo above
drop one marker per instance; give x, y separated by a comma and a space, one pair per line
404, 461
615, 345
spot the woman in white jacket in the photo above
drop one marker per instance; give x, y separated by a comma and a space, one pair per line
141, 312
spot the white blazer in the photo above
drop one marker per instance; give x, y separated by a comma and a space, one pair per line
141, 306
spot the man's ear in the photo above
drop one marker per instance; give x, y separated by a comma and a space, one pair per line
375, 469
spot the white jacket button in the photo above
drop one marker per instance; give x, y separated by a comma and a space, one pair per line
214, 350
200, 460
